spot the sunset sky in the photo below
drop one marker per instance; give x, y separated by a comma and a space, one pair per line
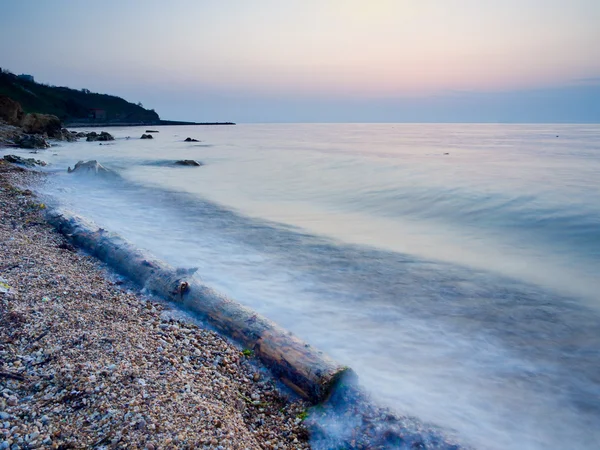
328, 60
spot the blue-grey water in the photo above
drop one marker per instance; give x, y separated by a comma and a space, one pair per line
454, 267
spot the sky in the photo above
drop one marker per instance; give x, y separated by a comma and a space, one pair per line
319, 60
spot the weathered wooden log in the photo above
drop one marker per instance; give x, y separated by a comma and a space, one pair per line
306, 370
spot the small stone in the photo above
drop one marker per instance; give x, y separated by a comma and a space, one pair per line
256, 377
4, 415
4, 445
12, 400
33, 436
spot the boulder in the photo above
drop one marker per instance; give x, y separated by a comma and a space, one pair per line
188, 162
147, 136
35, 123
32, 141
29, 162
103, 136
89, 167
9, 134
11, 111
65, 135
191, 140
81, 134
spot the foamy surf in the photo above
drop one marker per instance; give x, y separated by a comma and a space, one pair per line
461, 291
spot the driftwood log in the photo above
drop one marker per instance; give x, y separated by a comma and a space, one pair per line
308, 371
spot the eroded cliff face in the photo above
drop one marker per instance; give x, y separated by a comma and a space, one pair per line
28, 130
11, 111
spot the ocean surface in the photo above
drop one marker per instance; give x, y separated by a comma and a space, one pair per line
455, 268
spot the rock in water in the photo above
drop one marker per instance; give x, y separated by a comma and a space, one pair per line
151, 131
41, 123
188, 162
93, 167
66, 135
29, 162
103, 136
147, 136
32, 141
11, 111
191, 140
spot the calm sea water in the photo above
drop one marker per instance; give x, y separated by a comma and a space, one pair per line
454, 267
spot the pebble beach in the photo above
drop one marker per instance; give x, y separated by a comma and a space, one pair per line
86, 362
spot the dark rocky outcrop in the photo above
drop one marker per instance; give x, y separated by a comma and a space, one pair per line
89, 167
29, 162
32, 141
151, 131
74, 106
103, 136
147, 136
41, 124
188, 162
66, 135
191, 140
11, 111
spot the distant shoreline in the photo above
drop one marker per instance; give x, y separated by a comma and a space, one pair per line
138, 124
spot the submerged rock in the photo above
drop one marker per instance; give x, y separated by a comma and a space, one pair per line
188, 162
191, 140
92, 166
147, 136
32, 141
151, 131
103, 136
29, 162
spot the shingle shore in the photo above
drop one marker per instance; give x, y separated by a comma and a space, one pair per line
87, 364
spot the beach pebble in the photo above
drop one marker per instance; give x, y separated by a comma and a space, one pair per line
107, 367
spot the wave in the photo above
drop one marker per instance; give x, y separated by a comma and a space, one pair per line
475, 352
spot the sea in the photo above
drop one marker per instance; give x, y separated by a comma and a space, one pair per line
454, 267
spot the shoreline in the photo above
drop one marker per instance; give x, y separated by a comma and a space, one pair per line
87, 362
162, 123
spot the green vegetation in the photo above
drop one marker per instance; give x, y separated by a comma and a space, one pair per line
247, 352
73, 106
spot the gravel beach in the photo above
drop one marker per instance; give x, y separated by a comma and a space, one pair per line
87, 363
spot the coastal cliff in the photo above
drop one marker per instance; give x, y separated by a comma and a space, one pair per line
71, 105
